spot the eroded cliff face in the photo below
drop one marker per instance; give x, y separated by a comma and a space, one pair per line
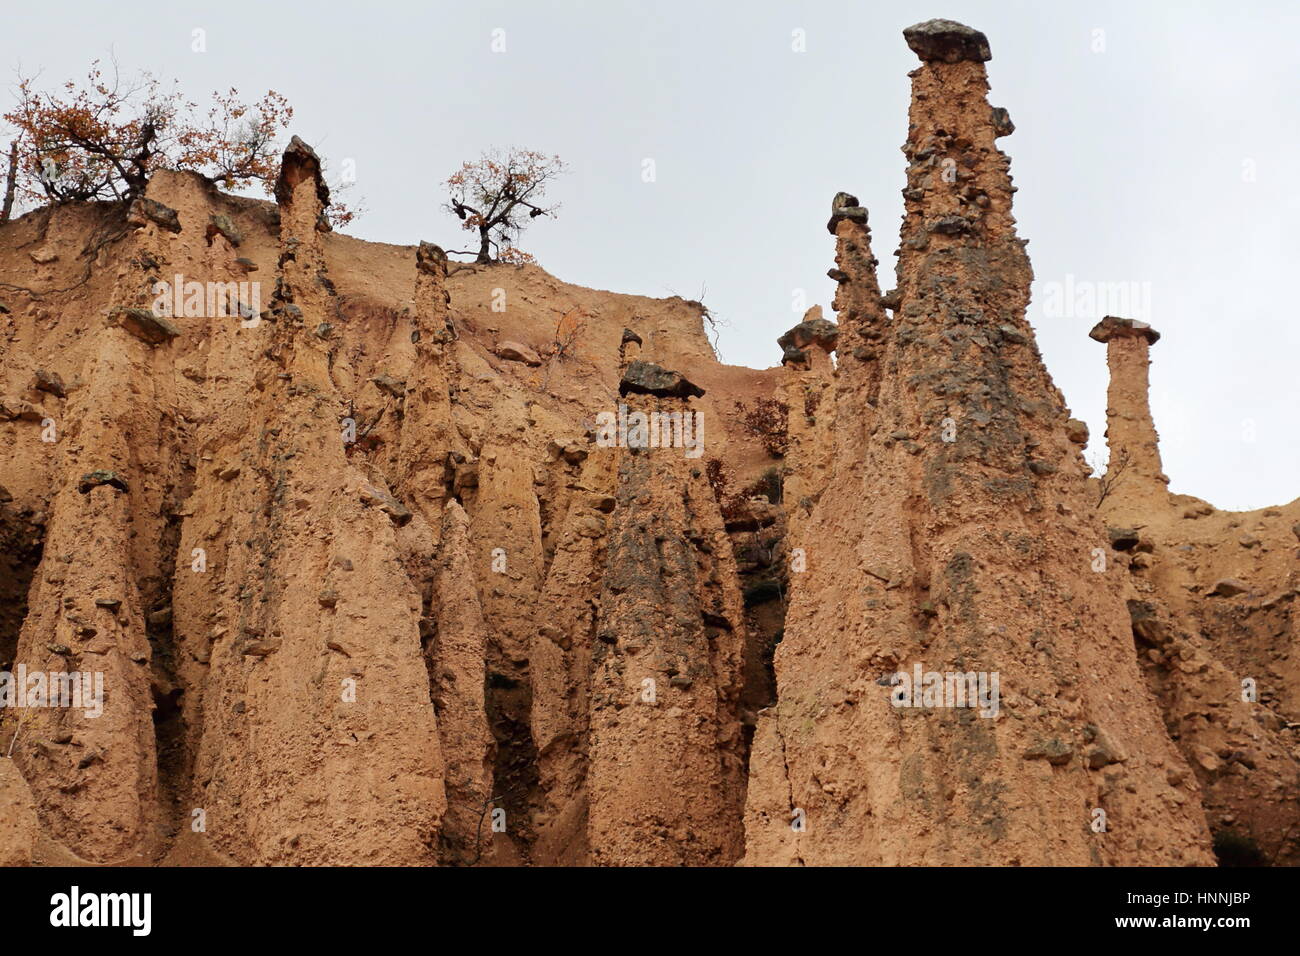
340, 552
369, 577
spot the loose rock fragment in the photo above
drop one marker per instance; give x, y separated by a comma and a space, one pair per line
144, 325
516, 352
646, 378
96, 478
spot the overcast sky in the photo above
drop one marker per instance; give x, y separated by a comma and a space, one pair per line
1156, 153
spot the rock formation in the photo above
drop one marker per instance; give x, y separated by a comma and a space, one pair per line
1134, 471
97, 597
457, 669
560, 658
1212, 605
318, 741
665, 780
959, 542
370, 579
806, 390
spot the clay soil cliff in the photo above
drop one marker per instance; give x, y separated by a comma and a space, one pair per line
367, 585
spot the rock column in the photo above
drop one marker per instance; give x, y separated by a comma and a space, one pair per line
1134, 468
319, 741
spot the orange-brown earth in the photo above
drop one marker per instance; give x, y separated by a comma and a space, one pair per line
365, 585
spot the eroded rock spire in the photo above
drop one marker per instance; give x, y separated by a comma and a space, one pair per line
319, 741
95, 610
858, 301
1134, 468
429, 445
805, 388
958, 550
665, 778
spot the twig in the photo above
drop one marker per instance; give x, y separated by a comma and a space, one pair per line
1114, 472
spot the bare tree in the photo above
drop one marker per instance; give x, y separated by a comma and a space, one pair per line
713, 323
569, 330
497, 195
1114, 474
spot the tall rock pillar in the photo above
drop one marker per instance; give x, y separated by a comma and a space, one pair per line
665, 778
319, 742
1134, 469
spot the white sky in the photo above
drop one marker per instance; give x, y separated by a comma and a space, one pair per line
1166, 159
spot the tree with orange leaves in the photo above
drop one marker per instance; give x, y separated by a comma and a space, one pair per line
104, 139
498, 194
